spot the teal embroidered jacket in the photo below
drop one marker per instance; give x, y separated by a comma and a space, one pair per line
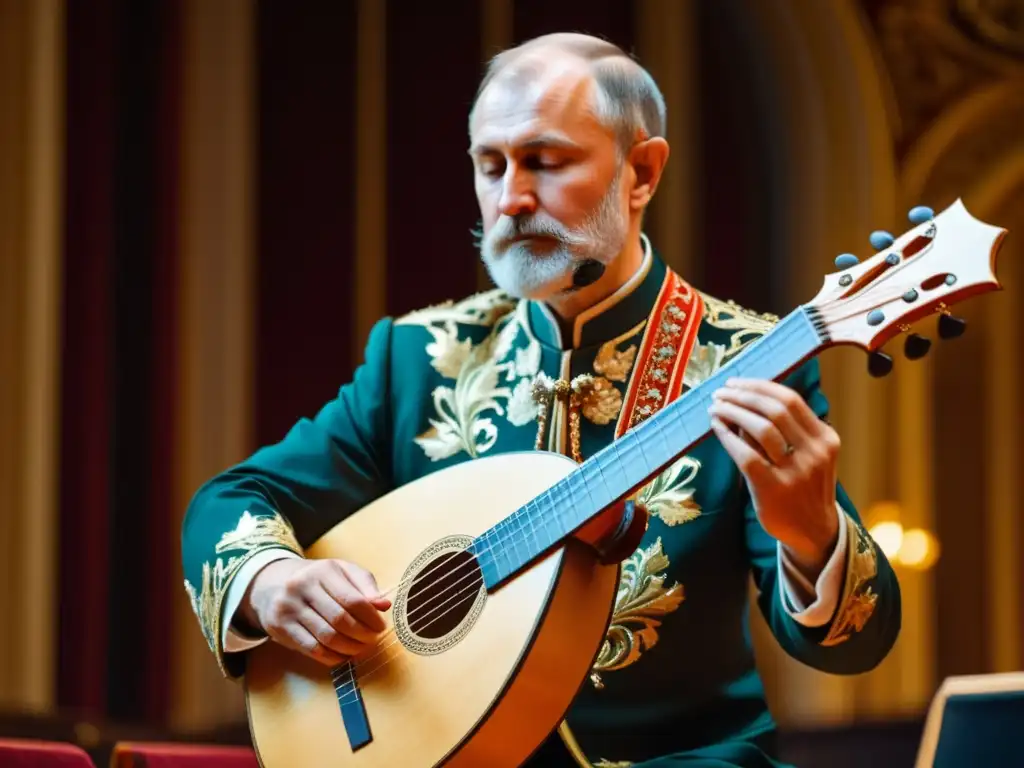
676, 674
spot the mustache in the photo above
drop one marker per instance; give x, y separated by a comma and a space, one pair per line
507, 229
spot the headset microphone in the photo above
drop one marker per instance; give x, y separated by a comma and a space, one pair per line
587, 273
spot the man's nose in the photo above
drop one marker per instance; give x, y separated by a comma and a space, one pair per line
517, 193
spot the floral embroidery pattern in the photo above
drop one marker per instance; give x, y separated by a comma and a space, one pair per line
614, 364
601, 401
669, 496
488, 380
641, 599
859, 599
746, 325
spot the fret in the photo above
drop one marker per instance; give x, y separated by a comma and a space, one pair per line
628, 462
516, 547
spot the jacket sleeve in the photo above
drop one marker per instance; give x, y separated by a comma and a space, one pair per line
288, 494
866, 621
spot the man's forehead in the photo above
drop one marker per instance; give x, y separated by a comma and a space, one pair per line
530, 97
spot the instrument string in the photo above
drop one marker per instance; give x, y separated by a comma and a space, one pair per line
426, 609
348, 674
471, 564
350, 669
554, 496
866, 302
502, 537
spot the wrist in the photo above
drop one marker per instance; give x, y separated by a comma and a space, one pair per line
249, 614
810, 552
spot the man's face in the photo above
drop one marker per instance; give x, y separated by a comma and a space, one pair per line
547, 177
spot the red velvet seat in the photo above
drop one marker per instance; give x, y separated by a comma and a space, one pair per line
154, 755
30, 753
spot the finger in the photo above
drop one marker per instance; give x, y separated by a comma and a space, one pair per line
344, 593
363, 580
337, 617
773, 395
295, 636
328, 636
760, 429
746, 458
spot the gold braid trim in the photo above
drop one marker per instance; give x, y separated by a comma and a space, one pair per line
252, 534
546, 390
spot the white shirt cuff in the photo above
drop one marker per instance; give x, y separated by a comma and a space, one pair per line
231, 639
813, 605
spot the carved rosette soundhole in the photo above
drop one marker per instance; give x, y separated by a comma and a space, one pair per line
441, 596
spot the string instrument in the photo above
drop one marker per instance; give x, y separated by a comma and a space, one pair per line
497, 612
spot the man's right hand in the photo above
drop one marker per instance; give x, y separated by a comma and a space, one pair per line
329, 610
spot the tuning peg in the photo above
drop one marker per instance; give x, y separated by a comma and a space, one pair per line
880, 240
879, 364
920, 214
846, 260
916, 347
950, 327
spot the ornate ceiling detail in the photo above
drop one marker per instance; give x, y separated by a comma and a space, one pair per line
939, 51
997, 24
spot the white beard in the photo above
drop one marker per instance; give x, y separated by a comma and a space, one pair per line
522, 271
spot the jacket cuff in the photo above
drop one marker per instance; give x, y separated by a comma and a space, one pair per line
858, 600
234, 638
814, 605
251, 535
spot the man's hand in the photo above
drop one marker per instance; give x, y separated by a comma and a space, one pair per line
788, 457
326, 609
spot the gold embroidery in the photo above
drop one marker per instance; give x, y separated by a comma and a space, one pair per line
522, 408
448, 353
656, 377
614, 364
858, 601
704, 360
251, 535
641, 598
252, 532
670, 494
546, 390
461, 422
569, 739
483, 309
601, 401
745, 324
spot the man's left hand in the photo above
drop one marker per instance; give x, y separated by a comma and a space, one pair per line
788, 457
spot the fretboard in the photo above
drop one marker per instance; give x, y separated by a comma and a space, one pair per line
638, 455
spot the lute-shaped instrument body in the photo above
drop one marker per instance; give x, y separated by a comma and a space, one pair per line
498, 613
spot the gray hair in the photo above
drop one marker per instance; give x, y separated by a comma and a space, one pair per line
628, 99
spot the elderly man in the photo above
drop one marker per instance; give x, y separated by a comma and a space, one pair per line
567, 146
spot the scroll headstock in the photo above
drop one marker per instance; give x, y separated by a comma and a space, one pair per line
930, 268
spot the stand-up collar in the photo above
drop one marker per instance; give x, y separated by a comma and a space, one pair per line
609, 318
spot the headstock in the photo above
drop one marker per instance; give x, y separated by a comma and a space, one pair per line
933, 266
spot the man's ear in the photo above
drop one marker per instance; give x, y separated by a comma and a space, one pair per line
648, 159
